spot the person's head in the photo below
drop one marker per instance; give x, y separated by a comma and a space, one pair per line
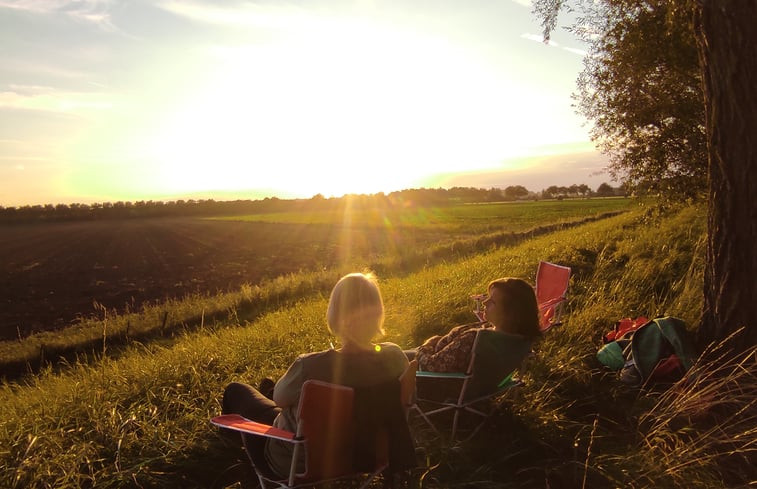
511, 307
356, 310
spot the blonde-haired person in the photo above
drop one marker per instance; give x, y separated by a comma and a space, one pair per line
355, 316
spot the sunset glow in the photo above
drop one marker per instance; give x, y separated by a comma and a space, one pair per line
282, 100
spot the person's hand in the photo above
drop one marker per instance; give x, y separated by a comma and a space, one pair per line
431, 342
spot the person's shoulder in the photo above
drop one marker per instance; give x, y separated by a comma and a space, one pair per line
391, 350
315, 355
388, 346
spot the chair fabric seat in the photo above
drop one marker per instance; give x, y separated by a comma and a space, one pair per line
497, 356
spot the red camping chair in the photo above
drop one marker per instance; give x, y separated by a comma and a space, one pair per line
551, 290
326, 432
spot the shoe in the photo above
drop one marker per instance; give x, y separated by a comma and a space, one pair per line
266, 387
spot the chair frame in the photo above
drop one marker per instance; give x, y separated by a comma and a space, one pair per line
299, 440
461, 404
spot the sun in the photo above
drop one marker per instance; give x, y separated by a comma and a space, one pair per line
355, 109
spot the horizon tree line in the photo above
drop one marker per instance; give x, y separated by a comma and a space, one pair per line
205, 207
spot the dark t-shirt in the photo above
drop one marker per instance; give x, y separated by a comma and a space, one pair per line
387, 361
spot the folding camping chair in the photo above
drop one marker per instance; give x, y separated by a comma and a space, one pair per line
551, 290
325, 436
551, 294
487, 362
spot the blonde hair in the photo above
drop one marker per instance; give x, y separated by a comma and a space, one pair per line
356, 310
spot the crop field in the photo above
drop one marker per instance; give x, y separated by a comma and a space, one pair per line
462, 218
54, 273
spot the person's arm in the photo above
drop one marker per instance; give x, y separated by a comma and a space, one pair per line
454, 356
428, 347
453, 335
399, 359
288, 388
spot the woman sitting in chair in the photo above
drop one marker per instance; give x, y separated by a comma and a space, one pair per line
510, 311
355, 315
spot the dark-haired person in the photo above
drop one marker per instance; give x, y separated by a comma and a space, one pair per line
511, 326
355, 315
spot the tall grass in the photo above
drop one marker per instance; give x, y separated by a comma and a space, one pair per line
140, 420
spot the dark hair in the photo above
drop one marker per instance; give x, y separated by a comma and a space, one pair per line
520, 306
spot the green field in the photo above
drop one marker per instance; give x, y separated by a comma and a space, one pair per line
138, 416
463, 218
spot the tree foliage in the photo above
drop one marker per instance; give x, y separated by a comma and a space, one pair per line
641, 88
725, 41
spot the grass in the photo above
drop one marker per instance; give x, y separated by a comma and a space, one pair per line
140, 420
462, 218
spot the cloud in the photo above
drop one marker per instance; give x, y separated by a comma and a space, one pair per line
89, 11
580, 52
536, 174
552, 43
525, 3
539, 38
48, 99
249, 15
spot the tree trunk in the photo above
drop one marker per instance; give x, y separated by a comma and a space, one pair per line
727, 40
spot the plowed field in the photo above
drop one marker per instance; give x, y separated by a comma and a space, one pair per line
52, 273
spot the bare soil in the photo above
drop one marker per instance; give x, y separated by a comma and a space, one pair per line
53, 273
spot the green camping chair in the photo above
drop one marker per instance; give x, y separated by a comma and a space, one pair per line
493, 360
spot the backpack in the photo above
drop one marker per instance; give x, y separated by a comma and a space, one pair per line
658, 350
623, 327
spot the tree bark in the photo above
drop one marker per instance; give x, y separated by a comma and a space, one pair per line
727, 42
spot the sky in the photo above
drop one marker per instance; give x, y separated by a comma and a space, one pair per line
108, 100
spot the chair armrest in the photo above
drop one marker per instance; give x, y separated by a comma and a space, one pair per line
440, 375
243, 425
552, 302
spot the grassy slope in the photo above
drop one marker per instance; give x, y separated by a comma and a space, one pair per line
141, 419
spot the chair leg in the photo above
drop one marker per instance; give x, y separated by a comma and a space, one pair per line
261, 479
454, 424
473, 433
426, 418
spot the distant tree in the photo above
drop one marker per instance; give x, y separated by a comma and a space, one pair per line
514, 192
605, 190
494, 195
551, 192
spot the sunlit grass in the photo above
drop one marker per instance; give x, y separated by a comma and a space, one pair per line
510, 216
